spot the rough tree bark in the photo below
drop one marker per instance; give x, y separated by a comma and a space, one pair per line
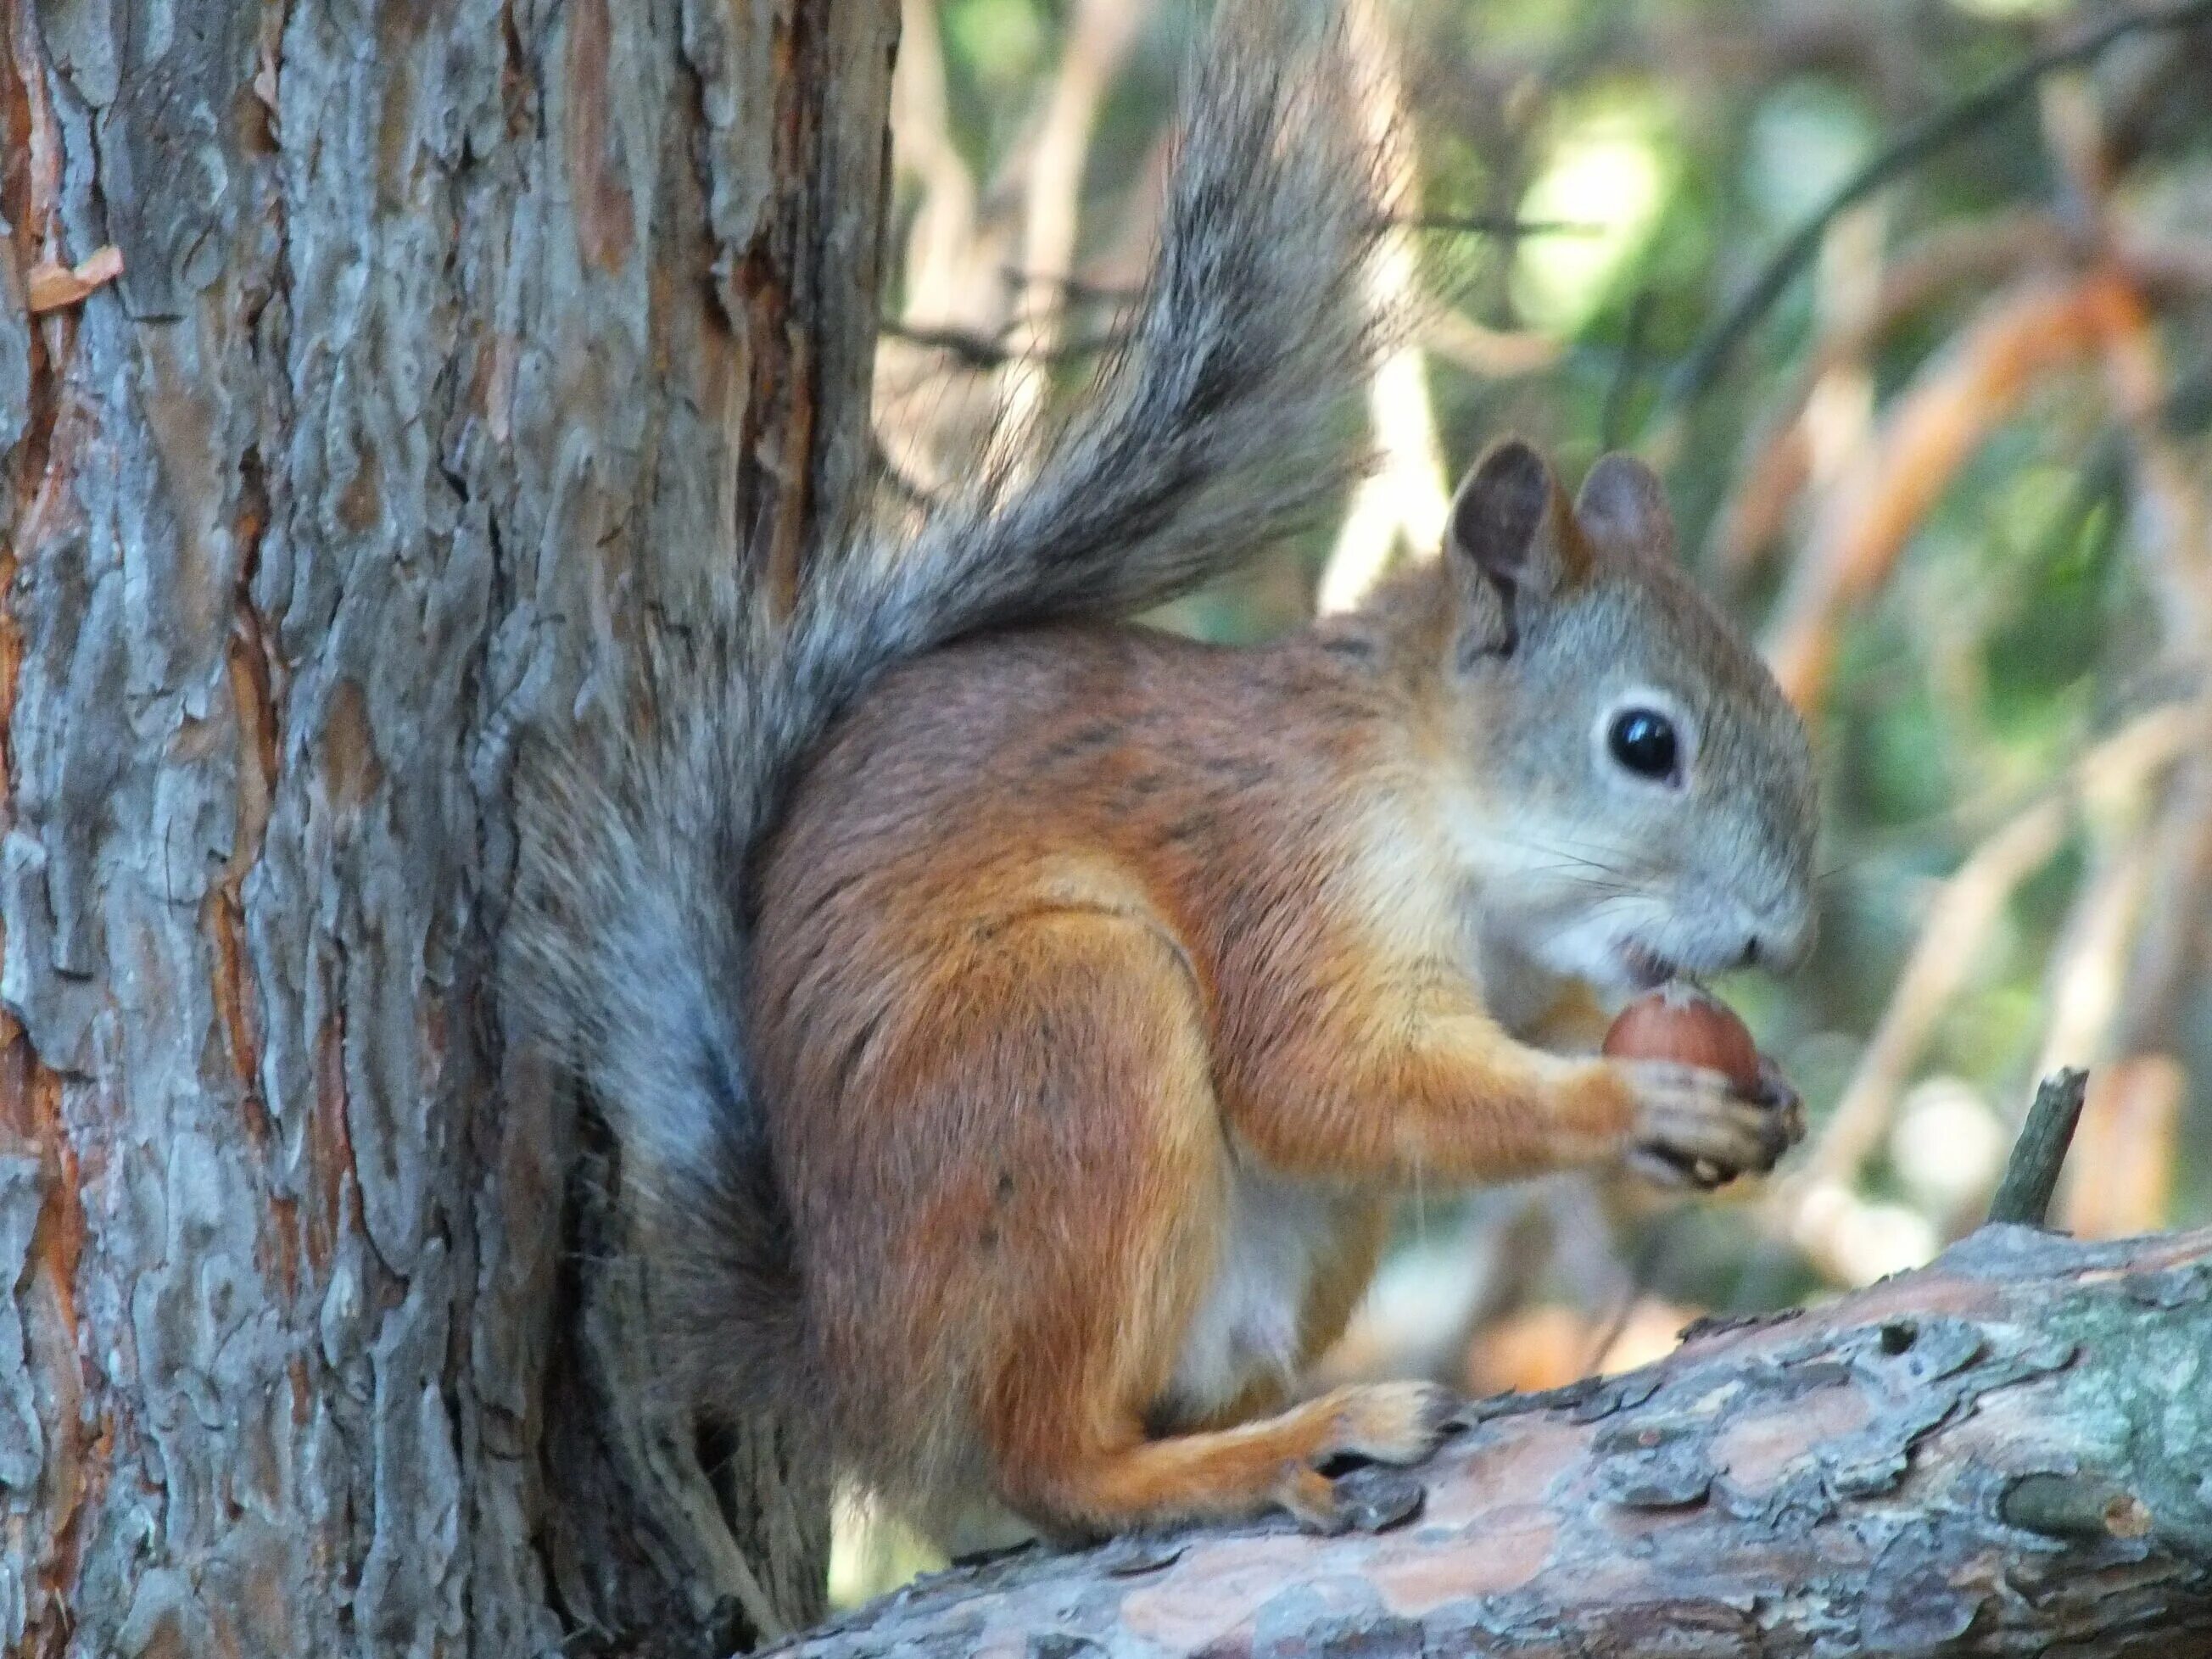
454, 335
2008, 1453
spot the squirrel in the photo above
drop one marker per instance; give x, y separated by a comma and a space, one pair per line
1015, 1023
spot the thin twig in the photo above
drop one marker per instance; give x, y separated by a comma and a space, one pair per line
1711, 354
1498, 224
1074, 290
2031, 1173
983, 351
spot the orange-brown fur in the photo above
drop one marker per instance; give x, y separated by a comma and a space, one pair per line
1061, 926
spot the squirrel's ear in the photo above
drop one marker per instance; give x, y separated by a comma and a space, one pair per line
1623, 506
1509, 539
1497, 515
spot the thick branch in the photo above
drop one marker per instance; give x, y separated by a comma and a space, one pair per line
2000, 1453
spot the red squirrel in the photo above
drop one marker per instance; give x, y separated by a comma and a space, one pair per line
1016, 1024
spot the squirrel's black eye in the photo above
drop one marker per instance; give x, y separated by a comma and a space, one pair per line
1644, 742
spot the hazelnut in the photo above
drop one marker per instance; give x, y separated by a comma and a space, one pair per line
1690, 1026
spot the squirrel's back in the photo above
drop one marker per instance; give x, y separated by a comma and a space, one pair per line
1002, 764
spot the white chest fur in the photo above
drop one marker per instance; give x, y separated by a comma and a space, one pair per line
1246, 1328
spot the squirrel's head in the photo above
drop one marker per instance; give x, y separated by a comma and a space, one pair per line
1638, 795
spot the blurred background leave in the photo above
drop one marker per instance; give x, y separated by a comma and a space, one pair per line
1908, 299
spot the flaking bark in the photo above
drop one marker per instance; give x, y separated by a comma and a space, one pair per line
452, 338
2006, 1453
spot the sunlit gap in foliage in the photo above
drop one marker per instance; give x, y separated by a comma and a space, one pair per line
1612, 165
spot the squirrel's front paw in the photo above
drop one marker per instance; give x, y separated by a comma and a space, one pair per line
1691, 1129
1780, 1096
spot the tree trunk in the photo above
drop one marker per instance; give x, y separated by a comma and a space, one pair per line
453, 337
2008, 1453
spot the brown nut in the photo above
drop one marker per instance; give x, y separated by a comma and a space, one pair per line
1690, 1026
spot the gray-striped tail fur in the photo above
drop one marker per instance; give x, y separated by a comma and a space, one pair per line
1213, 431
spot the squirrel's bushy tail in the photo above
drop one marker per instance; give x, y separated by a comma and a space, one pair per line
1212, 432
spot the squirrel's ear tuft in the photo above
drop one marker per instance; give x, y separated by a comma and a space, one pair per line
1623, 506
